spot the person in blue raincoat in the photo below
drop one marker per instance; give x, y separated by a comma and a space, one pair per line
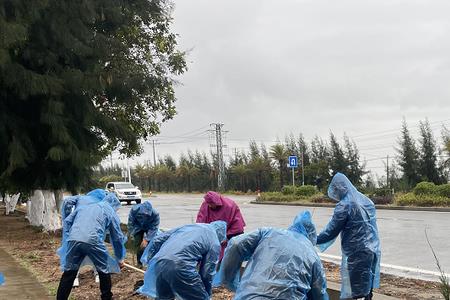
282, 264
2, 279
355, 219
68, 206
182, 262
84, 233
143, 223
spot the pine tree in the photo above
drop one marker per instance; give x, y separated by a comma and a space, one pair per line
319, 170
428, 167
355, 170
338, 161
77, 79
408, 157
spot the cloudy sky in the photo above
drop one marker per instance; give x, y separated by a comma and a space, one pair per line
270, 68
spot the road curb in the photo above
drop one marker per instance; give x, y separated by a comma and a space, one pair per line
386, 207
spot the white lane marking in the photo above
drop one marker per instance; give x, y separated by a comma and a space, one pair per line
336, 258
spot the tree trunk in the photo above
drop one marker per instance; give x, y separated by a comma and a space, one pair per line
42, 210
11, 202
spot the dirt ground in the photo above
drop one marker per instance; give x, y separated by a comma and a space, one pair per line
37, 251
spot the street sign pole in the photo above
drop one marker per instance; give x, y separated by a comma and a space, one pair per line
293, 163
293, 181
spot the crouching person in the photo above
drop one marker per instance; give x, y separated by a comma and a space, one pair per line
282, 264
84, 232
143, 223
182, 262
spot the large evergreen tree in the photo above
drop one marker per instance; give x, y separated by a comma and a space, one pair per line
77, 79
428, 167
408, 157
355, 170
338, 161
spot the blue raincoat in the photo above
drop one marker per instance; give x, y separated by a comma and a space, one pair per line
282, 264
355, 219
143, 217
68, 206
84, 233
2, 278
183, 262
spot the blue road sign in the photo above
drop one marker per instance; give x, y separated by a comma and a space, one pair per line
293, 162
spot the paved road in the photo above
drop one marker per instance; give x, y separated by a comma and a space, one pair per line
402, 232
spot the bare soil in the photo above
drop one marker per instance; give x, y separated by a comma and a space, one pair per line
37, 251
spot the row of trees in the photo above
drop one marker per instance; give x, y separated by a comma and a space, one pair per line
265, 168
422, 160
260, 168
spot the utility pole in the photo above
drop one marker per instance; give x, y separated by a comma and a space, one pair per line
387, 172
154, 155
303, 171
218, 138
110, 157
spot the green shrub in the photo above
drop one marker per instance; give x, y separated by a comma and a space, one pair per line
425, 188
443, 190
382, 192
320, 198
279, 197
288, 190
306, 190
382, 200
411, 199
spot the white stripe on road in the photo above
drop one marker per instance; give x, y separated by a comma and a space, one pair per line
405, 270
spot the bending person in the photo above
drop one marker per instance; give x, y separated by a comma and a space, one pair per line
143, 223
183, 262
84, 233
282, 264
68, 206
216, 207
355, 219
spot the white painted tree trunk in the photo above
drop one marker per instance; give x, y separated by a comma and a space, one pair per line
11, 202
43, 211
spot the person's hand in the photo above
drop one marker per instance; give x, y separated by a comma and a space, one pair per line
121, 264
144, 243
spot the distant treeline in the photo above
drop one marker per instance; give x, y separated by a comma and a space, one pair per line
265, 168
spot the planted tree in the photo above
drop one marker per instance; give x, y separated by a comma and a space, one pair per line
408, 157
78, 79
428, 167
280, 155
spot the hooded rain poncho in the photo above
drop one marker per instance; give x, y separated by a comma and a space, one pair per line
84, 231
282, 264
143, 217
227, 210
68, 206
183, 262
355, 219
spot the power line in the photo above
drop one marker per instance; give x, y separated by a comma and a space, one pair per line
390, 130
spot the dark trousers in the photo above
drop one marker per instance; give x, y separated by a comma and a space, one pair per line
66, 283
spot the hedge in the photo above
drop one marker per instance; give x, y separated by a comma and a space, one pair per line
412, 199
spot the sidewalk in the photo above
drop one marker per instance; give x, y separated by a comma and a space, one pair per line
19, 282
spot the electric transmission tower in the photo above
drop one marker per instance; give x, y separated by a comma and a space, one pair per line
217, 144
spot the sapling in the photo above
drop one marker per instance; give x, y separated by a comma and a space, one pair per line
444, 285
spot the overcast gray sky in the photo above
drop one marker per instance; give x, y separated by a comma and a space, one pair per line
270, 68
